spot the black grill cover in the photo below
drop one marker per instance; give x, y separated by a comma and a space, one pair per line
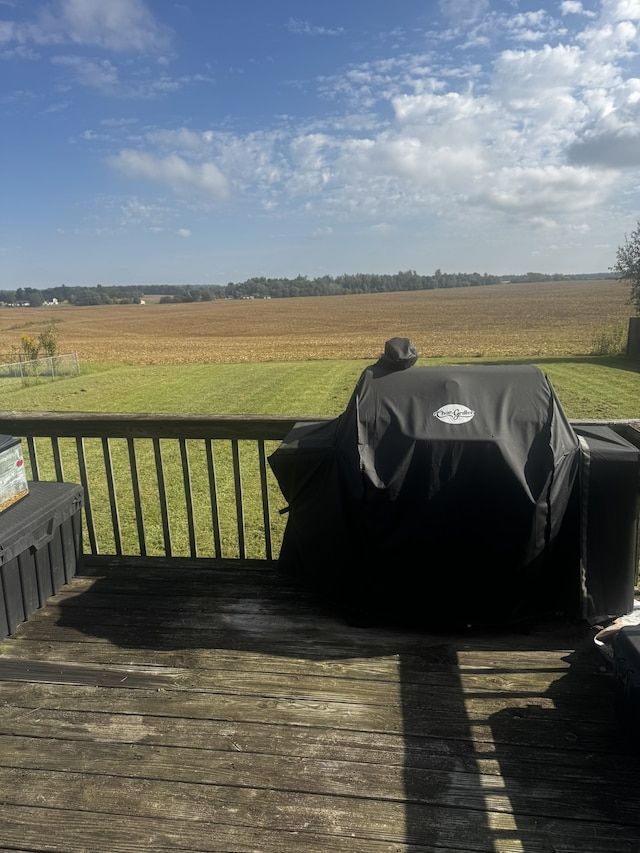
435, 497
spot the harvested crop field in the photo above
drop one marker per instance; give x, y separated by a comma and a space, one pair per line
509, 320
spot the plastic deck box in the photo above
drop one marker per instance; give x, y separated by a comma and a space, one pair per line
609, 495
40, 549
626, 662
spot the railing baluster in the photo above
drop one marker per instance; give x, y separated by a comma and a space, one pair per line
137, 501
104, 508
84, 480
186, 478
264, 488
162, 495
113, 500
213, 492
237, 482
33, 458
57, 459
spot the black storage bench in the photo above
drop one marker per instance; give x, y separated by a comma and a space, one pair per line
40, 549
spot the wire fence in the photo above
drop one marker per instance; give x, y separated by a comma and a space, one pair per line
49, 367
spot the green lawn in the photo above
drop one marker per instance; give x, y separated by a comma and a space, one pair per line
587, 388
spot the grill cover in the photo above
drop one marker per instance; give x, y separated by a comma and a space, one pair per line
435, 497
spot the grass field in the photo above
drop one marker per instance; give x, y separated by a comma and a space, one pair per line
303, 356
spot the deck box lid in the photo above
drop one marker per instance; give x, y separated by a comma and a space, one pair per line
33, 521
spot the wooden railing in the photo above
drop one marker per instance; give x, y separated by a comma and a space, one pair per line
163, 486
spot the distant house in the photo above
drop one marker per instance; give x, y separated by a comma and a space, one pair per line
53, 301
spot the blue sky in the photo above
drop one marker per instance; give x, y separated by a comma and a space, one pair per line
207, 141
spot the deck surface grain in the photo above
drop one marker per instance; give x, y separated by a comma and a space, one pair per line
221, 710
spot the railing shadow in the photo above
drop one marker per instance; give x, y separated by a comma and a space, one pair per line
580, 775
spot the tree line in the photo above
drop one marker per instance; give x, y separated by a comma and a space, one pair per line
262, 287
98, 295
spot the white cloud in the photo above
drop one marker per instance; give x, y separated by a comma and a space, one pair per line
611, 41
543, 190
373, 82
58, 107
119, 25
307, 149
621, 10
519, 139
256, 161
181, 139
104, 76
131, 212
449, 109
322, 233
307, 29
409, 159
575, 7
98, 74
116, 25
541, 134
521, 76
383, 229
9, 31
19, 51
463, 10
202, 179
185, 233
529, 26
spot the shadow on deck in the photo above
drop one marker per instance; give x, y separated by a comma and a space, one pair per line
218, 709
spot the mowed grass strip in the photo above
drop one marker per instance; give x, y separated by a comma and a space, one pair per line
262, 388
599, 388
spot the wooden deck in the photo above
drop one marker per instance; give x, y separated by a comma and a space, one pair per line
219, 710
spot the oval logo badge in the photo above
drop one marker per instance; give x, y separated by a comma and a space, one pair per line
454, 413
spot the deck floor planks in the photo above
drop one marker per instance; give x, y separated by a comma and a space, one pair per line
225, 711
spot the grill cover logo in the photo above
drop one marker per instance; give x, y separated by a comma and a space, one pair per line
454, 413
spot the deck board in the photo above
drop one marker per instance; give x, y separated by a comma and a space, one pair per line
222, 710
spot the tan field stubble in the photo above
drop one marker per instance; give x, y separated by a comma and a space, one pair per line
510, 320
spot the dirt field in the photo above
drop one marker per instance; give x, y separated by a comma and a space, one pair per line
529, 320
